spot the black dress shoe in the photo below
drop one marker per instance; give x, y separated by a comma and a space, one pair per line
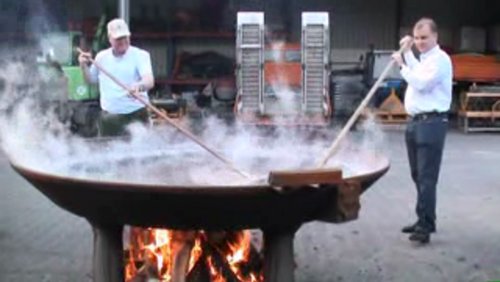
409, 228
412, 228
420, 237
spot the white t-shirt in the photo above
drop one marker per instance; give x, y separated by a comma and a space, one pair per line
429, 82
129, 69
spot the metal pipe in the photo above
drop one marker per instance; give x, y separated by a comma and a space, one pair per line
124, 10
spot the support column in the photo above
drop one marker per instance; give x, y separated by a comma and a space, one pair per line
279, 264
124, 10
108, 253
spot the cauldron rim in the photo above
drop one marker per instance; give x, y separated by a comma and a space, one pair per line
112, 184
180, 207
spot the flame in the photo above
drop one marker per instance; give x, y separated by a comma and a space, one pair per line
240, 253
130, 268
195, 253
154, 251
215, 275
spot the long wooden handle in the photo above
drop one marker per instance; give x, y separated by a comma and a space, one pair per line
169, 120
335, 145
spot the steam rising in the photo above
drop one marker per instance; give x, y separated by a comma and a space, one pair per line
287, 99
32, 136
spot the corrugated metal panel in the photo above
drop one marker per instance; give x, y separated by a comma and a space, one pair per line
358, 23
445, 34
450, 13
346, 57
80, 10
355, 24
494, 38
451, 18
222, 46
158, 52
359, 30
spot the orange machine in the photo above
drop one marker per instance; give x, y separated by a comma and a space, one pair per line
475, 68
282, 65
283, 83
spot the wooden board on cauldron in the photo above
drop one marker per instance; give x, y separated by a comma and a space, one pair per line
295, 178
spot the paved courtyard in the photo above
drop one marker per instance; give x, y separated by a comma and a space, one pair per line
41, 242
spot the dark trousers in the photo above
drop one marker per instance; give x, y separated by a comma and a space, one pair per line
425, 136
116, 124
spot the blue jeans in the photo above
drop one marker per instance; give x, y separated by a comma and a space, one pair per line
425, 138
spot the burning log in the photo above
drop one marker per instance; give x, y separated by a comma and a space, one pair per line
253, 265
200, 272
218, 265
224, 243
183, 255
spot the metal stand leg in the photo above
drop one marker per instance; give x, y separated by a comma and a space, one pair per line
279, 262
108, 253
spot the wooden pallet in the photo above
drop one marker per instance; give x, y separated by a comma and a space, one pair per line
386, 117
391, 111
479, 111
391, 117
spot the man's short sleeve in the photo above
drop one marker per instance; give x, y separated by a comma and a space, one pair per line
93, 71
145, 67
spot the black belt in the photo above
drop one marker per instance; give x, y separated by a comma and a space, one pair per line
424, 116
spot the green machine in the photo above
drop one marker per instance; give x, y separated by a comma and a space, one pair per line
58, 62
78, 89
60, 47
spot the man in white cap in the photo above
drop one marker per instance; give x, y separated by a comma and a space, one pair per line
131, 66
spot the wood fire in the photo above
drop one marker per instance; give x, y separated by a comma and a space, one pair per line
173, 256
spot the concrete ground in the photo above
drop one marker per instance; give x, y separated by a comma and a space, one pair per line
41, 242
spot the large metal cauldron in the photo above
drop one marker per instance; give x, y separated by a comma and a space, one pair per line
110, 205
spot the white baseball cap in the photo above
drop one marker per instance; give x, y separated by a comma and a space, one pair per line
118, 28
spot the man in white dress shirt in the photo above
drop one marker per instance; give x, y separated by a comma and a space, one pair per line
427, 101
130, 65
